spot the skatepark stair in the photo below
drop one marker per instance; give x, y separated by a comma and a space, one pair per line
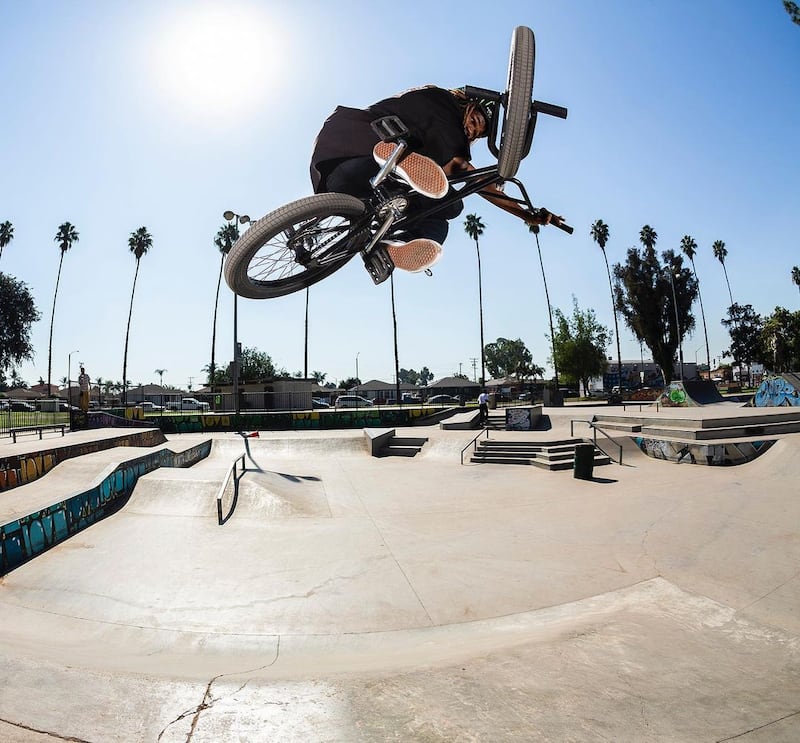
551, 455
384, 443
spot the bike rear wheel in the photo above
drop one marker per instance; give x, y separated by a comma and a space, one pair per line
294, 246
517, 110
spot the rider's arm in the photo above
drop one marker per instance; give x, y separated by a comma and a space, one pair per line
495, 195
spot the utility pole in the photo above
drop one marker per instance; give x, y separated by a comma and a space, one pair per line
474, 369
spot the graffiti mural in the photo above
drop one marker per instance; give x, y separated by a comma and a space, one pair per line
674, 396
720, 455
290, 421
22, 468
25, 538
779, 391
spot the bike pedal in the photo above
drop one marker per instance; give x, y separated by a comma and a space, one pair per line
378, 264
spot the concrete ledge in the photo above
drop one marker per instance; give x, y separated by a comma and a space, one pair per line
461, 421
378, 439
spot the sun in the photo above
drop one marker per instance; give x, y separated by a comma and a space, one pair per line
217, 61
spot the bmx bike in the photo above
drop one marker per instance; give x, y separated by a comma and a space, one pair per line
307, 240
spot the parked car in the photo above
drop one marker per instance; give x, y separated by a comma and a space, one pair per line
151, 407
598, 392
352, 401
188, 403
408, 397
317, 403
568, 392
20, 406
443, 400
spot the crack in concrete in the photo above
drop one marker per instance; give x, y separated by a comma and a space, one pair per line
48, 733
758, 727
208, 701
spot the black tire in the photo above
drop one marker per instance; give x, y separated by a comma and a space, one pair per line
517, 110
262, 262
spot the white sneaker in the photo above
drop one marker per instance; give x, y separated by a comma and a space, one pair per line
418, 171
415, 255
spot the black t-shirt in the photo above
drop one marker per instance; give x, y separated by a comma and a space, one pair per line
432, 115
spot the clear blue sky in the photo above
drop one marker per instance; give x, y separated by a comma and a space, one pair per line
683, 115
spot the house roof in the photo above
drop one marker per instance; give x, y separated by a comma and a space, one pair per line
453, 382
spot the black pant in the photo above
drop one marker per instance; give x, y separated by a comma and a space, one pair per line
352, 177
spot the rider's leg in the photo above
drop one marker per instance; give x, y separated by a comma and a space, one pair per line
352, 176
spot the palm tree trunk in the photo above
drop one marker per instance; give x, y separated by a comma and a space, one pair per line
480, 311
127, 335
396, 356
616, 322
305, 345
703, 315
212, 367
52, 321
549, 310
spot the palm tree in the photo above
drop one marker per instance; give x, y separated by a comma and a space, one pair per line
474, 228
6, 235
648, 237
227, 235
65, 237
534, 228
138, 243
720, 253
99, 382
796, 275
689, 248
599, 233
160, 373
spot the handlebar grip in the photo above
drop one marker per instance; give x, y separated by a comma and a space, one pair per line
550, 109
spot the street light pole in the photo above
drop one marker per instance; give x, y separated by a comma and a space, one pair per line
231, 216
358, 381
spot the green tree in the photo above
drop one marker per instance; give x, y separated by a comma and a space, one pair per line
689, 248
257, 365
645, 299
580, 345
507, 358
160, 373
780, 341
139, 243
17, 313
474, 228
721, 253
796, 276
349, 383
66, 236
425, 376
599, 234
6, 235
745, 326
793, 10
226, 236
318, 377
408, 376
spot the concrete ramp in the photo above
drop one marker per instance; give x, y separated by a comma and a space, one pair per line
689, 393
271, 495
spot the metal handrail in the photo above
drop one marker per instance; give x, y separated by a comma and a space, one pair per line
231, 473
471, 443
595, 429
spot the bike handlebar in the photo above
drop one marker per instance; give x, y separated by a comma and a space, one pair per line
550, 109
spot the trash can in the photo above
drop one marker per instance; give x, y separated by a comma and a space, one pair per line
584, 461
492, 401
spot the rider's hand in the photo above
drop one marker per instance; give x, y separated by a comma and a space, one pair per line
542, 216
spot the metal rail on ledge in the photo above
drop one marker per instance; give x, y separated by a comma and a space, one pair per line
231, 473
595, 429
472, 443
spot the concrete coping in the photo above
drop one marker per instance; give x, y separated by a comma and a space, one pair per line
378, 439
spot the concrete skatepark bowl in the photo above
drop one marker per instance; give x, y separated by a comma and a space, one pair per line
354, 598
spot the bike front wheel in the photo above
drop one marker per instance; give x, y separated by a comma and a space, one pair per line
294, 246
517, 109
